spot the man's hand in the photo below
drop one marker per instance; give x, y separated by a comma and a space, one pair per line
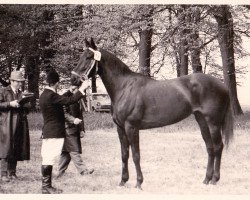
82, 134
14, 104
77, 121
84, 86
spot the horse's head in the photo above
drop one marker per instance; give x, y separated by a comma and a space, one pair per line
87, 65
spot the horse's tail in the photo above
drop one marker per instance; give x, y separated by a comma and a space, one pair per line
228, 125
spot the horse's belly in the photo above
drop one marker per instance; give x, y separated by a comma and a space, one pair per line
158, 116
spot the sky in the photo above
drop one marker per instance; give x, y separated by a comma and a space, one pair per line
244, 89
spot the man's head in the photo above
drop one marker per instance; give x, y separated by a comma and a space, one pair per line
16, 79
52, 78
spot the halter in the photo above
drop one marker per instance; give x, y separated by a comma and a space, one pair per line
97, 57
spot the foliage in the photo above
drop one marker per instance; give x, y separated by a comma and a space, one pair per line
59, 30
93, 121
103, 121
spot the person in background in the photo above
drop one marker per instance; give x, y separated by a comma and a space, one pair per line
72, 148
14, 129
53, 132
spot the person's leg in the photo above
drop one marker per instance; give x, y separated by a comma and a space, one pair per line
4, 167
63, 163
12, 163
51, 149
80, 166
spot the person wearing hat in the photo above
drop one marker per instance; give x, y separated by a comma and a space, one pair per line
14, 131
53, 132
72, 147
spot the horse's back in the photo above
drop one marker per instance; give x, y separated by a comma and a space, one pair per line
150, 103
169, 101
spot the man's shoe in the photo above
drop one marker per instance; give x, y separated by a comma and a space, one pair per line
87, 171
13, 177
5, 179
60, 174
51, 190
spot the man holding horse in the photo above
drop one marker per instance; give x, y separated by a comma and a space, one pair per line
53, 132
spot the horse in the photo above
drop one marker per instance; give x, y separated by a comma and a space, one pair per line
140, 102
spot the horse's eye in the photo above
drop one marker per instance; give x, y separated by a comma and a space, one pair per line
90, 55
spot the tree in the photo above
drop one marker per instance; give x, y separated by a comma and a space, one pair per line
145, 35
183, 18
224, 19
195, 46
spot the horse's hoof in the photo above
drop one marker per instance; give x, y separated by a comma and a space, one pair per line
122, 184
138, 186
206, 181
213, 182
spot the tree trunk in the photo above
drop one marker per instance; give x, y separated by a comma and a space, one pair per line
183, 45
196, 61
183, 53
195, 49
145, 51
226, 42
32, 73
145, 43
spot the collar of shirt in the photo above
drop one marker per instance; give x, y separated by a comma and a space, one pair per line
13, 89
50, 88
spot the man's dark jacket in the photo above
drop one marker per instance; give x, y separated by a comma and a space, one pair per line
51, 105
72, 142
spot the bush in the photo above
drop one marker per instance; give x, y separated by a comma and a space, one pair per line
96, 120
35, 121
93, 121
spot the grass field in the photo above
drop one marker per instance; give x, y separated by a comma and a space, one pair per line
173, 161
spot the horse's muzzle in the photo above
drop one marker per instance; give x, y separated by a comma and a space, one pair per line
75, 80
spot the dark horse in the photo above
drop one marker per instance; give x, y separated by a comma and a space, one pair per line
140, 102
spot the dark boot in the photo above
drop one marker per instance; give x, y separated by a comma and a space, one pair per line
46, 181
12, 169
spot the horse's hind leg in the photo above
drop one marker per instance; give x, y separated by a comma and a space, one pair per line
133, 137
209, 145
124, 155
215, 131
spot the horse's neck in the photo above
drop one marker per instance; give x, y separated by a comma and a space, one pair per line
114, 73
114, 80
112, 83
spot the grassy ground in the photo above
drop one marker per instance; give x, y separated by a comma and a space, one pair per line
173, 161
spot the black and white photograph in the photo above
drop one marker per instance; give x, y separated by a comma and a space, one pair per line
125, 98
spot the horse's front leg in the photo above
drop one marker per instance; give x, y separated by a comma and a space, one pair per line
124, 154
133, 137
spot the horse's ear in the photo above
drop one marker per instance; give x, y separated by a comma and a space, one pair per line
87, 43
93, 44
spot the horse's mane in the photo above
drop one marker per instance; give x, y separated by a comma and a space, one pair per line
116, 62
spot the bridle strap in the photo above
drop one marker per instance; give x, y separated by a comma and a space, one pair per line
85, 75
97, 57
